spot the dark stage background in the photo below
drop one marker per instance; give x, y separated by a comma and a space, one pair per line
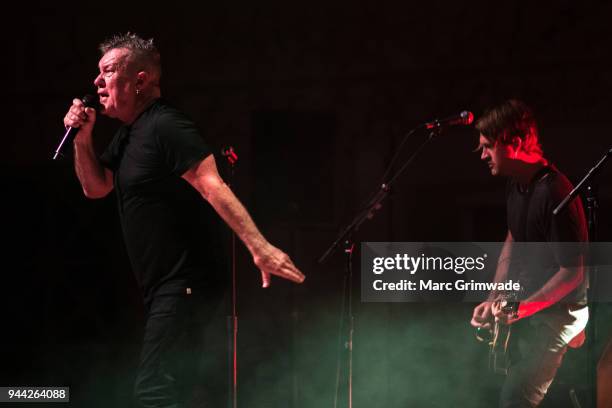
315, 98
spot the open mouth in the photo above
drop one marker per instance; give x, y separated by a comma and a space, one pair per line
102, 96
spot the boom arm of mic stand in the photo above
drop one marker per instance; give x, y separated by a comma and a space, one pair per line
375, 202
367, 213
580, 185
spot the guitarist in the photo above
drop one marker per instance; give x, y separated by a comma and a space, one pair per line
552, 313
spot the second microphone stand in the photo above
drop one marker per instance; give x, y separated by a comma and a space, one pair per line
232, 321
591, 207
346, 238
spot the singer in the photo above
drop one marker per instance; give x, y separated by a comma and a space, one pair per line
554, 313
166, 184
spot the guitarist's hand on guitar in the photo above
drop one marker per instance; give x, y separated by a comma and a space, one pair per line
482, 317
501, 314
492, 320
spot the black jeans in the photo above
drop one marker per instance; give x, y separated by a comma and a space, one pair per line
173, 348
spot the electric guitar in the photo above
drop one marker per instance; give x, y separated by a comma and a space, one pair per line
498, 337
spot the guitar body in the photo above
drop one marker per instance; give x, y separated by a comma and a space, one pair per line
498, 338
499, 361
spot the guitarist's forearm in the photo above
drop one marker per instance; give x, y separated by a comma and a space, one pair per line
561, 284
503, 264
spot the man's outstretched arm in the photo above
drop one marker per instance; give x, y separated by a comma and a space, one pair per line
205, 178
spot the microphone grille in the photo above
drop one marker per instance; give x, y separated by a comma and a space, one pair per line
91, 102
467, 117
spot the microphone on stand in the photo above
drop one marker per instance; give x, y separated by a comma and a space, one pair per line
464, 118
229, 153
89, 101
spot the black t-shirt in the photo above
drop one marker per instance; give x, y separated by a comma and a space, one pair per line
172, 235
530, 219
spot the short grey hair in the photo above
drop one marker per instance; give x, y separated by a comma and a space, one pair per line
142, 52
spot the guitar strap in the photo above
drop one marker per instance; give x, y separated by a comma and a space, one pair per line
524, 216
539, 175
526, 202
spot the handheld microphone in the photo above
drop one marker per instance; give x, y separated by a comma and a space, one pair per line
464, 118
89, 101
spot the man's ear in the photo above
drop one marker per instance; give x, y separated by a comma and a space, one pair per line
141, 78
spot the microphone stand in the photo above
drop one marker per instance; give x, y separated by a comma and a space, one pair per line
592, 206
232, 321
346, 238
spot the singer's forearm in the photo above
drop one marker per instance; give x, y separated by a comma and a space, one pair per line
95, 180
236, 216
205, 178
